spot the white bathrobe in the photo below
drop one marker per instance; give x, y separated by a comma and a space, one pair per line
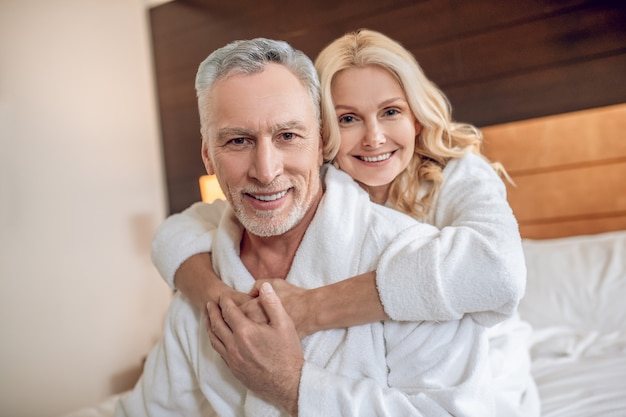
380, 369
475, 265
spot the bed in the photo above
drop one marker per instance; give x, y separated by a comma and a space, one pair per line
570, 200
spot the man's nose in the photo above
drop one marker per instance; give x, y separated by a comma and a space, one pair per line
374, 135
268, 162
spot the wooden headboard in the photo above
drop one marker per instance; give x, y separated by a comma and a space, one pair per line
569, 171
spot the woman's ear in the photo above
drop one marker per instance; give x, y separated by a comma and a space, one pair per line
418, 127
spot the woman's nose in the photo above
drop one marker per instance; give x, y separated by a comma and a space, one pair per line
374, 136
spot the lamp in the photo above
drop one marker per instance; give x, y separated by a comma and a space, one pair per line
210, 189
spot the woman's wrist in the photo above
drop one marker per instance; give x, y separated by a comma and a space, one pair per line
196, 279
351, 302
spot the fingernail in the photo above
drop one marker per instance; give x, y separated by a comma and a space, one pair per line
267, 288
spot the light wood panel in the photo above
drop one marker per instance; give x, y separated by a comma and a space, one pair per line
569, 170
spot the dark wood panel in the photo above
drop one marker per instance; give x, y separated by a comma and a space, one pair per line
497, 61
183, 193
565, 38
182, 142
485, 15
566, 88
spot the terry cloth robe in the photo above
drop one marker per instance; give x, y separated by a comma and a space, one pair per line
475, 265
380, 369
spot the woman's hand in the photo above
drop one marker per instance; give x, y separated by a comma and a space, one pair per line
295, 300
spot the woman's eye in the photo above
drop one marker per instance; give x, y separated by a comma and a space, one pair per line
346, 119
391, 112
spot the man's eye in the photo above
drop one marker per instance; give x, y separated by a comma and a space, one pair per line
289, 135
237, 141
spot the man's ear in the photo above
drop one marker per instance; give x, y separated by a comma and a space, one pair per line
208, 165
321, 148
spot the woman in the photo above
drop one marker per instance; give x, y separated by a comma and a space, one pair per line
390, 128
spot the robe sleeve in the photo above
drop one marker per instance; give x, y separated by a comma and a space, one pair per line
476, 264
183, 235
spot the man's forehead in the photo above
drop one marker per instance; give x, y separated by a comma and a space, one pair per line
268, 101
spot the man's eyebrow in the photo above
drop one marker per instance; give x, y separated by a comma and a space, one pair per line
233, 132
289, 125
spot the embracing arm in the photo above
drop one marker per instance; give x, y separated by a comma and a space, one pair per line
180, 252
434, 369
476, 265
350, 302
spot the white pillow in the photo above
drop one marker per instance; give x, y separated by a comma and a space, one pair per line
578, 282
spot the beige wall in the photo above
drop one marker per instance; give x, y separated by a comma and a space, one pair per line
81, 193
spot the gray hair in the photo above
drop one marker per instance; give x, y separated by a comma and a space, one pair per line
251, 57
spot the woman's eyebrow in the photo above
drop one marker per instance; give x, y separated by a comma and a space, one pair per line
381, 104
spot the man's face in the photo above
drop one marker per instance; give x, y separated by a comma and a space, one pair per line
263, 143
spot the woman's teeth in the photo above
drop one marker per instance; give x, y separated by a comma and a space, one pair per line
376, 158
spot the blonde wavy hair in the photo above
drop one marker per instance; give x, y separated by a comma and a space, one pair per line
440, 139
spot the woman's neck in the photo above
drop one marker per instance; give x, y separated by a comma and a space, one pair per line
378, 194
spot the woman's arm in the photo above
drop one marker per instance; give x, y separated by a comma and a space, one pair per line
475, 266
197, 280
184, 234
350, 302
180, 252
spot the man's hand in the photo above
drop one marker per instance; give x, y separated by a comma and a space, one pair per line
266, 357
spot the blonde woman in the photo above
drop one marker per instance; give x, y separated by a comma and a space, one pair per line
390, 128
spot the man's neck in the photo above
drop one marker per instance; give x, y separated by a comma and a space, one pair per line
271, 257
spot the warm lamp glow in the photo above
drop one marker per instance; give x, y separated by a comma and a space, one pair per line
210, 189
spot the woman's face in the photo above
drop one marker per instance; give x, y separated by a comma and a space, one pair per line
377, 127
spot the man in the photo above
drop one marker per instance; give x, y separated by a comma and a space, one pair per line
295, 218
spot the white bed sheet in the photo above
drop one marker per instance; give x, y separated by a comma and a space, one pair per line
575, 301
580, 374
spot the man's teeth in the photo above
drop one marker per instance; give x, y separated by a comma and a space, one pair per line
271, 197
376, 158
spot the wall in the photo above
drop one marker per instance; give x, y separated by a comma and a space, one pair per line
497, 61
80, 196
